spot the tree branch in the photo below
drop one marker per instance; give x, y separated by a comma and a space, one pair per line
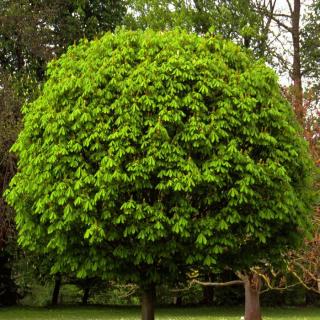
209, 284
218, 284
281, 24
282, 15
273, 16
290, 7
279, 288
302, 282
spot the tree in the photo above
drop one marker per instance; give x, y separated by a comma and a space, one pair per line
233, 19
9, 125
310, 49
288, 22
310, 41
149, 153
34, 32
31, 34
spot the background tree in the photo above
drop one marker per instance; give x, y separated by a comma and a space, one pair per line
31, 34
155, 154
310, 51
234, 19
288, 21
310, 42
9, 126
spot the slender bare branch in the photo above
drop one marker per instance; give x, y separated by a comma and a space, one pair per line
270, 14
303, 282
208, 284
281, 24
283, 15
279, 288
290, 6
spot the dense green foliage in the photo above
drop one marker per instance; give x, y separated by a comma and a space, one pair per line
148, 152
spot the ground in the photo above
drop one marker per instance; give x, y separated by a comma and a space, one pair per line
132, 313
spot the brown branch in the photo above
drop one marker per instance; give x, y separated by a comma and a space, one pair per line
129, 293
269, 285
218, 284
303, 283
305, 270
279, 288
290, 7
281, 24
271, 10
273, 16
209, 284
283, 15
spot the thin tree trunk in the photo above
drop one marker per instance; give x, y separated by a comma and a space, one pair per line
296, 67
177, 301
252, 286
85, 296
148, 303
56, 290
208, 292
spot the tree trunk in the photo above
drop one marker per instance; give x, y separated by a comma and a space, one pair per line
85, 296
148, 302
312, 298
208, 293
252, 286
296, 66
177, 301
56, 290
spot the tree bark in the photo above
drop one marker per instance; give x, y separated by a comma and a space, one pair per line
208, 293
148, 302
296, 66
56, 290
177, 301
85, 296
252, 286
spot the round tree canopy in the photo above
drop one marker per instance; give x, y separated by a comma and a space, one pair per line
148, 152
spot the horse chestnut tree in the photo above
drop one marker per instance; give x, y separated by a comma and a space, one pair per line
148, 153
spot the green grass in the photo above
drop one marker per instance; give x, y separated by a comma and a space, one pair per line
132, 313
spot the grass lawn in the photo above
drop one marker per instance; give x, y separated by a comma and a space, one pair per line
132, 313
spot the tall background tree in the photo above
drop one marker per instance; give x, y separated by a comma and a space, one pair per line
310, 46
31, 34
